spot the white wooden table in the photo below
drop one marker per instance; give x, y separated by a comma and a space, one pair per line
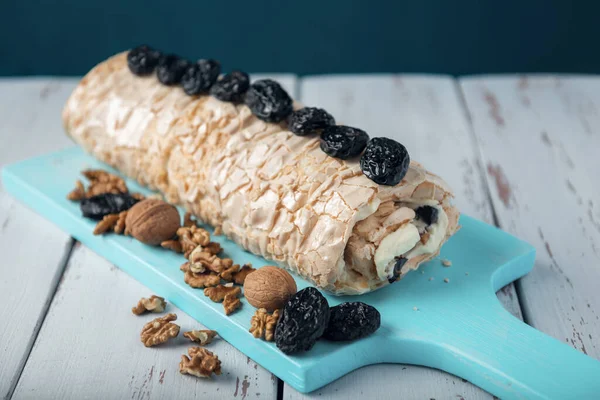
521, 152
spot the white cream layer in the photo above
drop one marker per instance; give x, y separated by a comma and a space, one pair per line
406, 241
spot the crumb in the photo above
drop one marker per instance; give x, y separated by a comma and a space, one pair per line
415, 309
446, 263
446, 280
431, 278
466, 273
422, 272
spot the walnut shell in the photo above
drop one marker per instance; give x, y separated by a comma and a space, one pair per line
269, 287
152, 221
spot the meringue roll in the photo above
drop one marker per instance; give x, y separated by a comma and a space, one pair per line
274, 193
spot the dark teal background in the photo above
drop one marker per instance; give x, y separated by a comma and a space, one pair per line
307, 37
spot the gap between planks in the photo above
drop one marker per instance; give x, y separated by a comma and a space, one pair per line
540, 136
55, 283
512, 287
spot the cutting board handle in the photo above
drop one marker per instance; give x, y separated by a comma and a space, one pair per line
510, 359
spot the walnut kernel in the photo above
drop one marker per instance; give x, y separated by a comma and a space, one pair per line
227, 274
201, 363
78, 193
107, 223
201, 261
231, 303
199, 281
173, 245
240, 276
191, 237
212, 248
104, 182
271, 324
154, 304
119, 227
262, 324
218, 293
159, 330
202, 337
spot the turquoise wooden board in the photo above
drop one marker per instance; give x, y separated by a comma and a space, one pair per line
457, 326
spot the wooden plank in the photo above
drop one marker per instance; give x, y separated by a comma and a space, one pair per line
91, 341
31, 124
33, 250
425, 113
92, 306
540, 137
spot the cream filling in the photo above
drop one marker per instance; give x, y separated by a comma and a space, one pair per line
406, 241
395, 244
437, 232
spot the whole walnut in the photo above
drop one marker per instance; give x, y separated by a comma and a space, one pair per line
269, 288
152, 221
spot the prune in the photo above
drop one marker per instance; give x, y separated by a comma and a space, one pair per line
400, 261
231, 87
385, 161
98, 206
171, 68
427, 214
302, 322
343, 141
350, 321
142, 60
200, 77
268, 101
309, 119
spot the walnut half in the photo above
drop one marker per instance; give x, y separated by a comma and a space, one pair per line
192, 236
201, 363
114, 222
78, 193
262, 325
199, 281
159, 330
231, 303
103, 182
154, 304
218, 293
201, 261
201, 337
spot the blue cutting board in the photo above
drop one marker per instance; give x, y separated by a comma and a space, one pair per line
440, 317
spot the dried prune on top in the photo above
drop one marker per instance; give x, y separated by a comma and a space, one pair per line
400, 261
142, 60
231, 87
427, 214
96, 207
350, 321
199, 77
268, 101
171, 68
309, 119
385, 161
302, 322
343, 141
